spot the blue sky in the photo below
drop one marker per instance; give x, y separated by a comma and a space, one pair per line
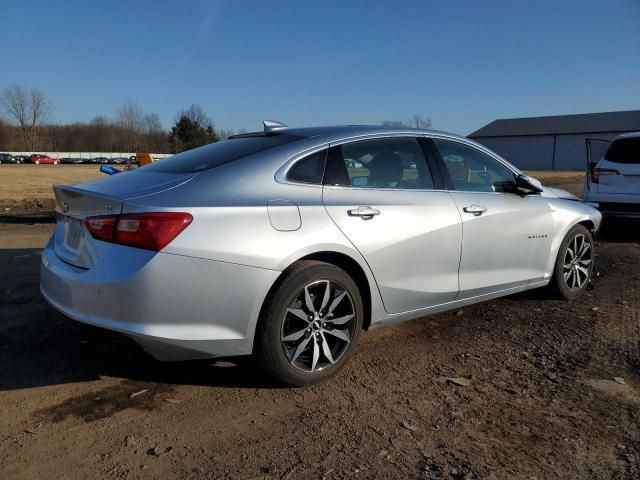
462, 63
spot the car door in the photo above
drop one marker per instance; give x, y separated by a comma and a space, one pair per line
506, 236
381, 194
596, 148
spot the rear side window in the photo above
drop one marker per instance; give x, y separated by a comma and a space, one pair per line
396, 162
215, 154
624, 150
308, 169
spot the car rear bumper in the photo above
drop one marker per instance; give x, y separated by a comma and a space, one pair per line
175, 307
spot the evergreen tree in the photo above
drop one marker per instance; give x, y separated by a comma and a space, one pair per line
188, 133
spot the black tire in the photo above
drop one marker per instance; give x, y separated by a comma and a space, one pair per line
271, 351
572, 287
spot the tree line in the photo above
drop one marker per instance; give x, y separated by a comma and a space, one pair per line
25, 126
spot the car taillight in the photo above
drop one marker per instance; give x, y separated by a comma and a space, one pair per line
597, 172
152, 231
101, 227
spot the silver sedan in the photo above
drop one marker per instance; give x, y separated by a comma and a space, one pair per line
288, 242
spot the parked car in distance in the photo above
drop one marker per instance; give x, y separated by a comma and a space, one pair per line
613, 181
38, 158
286, 243
8, 158
23, 158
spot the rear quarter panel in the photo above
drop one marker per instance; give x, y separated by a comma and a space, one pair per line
231, 219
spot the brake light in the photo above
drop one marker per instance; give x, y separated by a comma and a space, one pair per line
101, 227
151, 231
596, 172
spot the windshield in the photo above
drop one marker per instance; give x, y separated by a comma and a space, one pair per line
215, 154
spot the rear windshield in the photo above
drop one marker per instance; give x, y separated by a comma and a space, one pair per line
218, 153
624, 150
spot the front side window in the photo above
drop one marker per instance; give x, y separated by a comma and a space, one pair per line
472, 170
380, 163
308, 169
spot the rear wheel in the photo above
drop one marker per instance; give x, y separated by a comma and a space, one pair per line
37, 162
310, 324
574, 264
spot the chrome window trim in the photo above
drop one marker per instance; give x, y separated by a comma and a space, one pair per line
281, 174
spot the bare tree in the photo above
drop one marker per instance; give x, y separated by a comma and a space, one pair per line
196, 114
152, 123
99, 129
156, 138
30, 110
394, 123
5, 132
225, 133
130, 117
417, 121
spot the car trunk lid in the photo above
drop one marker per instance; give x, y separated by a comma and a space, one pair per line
74, 203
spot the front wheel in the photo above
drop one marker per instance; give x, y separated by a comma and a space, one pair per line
310, 324
574, 264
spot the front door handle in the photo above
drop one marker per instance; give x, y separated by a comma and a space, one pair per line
364, 212
476, 210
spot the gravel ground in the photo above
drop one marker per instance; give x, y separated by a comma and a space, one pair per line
520, 387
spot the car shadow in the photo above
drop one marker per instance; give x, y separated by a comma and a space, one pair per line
39, 347
619, 231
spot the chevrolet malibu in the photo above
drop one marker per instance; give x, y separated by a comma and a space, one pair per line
287, 243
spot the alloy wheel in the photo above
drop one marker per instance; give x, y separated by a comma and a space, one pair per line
577, 262
318, 326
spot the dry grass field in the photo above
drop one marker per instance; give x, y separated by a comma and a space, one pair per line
27, 188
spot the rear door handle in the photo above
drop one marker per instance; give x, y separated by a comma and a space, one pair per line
476, 210
364, 212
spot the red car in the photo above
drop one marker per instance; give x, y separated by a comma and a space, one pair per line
38, 158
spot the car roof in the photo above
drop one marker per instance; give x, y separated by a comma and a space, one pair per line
628, 135
339, 132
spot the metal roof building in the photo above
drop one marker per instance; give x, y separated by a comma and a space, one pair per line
556, 142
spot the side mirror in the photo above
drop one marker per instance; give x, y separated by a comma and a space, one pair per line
527, 186
109, 170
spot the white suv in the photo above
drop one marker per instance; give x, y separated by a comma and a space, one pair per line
614, 181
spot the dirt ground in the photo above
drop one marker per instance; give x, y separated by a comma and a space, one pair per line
26, 189
553, 392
